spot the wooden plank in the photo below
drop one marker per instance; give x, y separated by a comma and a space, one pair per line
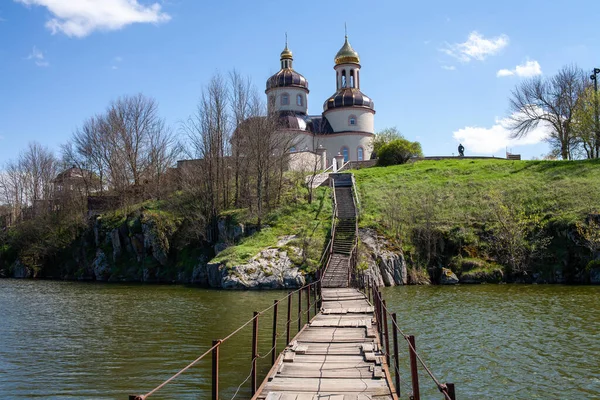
377, 373
308, 371
330, 396
334, 348
333, 358
370, 386
289, 356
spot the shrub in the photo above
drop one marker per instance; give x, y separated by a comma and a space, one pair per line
398, 151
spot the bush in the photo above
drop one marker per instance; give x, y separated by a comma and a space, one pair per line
398, 151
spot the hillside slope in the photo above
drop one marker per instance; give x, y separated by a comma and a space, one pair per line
519, 217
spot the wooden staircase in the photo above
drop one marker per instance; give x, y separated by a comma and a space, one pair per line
338, 271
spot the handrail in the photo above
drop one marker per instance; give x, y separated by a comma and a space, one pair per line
325, 258
356, 198
446, 389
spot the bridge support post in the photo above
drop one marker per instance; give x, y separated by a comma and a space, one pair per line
386, 332
274, 341
254, 351
396, 361
215, 370
289, 319
413, 367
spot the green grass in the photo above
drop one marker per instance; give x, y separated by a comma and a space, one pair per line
311, 222
456, 190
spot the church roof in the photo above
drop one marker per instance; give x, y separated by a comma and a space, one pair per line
347, 54
348, 97
287, 77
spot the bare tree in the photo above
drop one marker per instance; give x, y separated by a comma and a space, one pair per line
208, 132
548, 100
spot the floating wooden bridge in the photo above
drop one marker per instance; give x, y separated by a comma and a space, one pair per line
343, 352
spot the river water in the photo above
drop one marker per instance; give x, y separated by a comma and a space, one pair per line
68, 340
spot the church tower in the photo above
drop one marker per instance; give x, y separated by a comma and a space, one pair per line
287, 90
348, 109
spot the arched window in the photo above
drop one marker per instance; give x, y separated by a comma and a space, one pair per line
351, 78
360, 154
344, 78
285, 99
299, 100
352, 120
345, 153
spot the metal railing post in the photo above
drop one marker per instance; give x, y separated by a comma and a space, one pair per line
451, 392
254, 351
289, 319
414, 373
274, 341
299, 310
215, 369
387, 334
396, 361
315, 295
307, 304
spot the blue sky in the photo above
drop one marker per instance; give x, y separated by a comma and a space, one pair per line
440, 71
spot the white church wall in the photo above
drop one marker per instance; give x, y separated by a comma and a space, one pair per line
334, 144
293, 94
305, 161
339, 119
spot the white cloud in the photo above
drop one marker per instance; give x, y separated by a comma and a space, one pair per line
449, 67
38, 57
529, 69
476, 47
492, 140
79, 18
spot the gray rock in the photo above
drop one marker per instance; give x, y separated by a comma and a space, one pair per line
222, 228
238, 232
160, 248
219, 247
270, 269
595, 276
116, 243
448, 277
20, 271
100, 266
386, 267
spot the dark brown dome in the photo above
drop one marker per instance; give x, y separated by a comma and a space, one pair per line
348, 97
287, 77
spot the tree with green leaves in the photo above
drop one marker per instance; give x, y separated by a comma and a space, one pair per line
385, 136
584, 123
398, 151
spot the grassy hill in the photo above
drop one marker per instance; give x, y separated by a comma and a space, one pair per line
441, 210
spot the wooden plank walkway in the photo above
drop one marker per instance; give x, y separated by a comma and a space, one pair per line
337, 356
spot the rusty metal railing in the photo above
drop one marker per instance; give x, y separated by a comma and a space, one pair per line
382, 316
312, 289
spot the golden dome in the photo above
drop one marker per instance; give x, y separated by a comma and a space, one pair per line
346, 54
286, 53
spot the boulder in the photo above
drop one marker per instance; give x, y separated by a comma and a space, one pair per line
386, 265
270, 269
448, 277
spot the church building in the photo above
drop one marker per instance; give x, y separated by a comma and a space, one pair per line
346, 126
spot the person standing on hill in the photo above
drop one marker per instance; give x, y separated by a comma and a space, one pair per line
461, 150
